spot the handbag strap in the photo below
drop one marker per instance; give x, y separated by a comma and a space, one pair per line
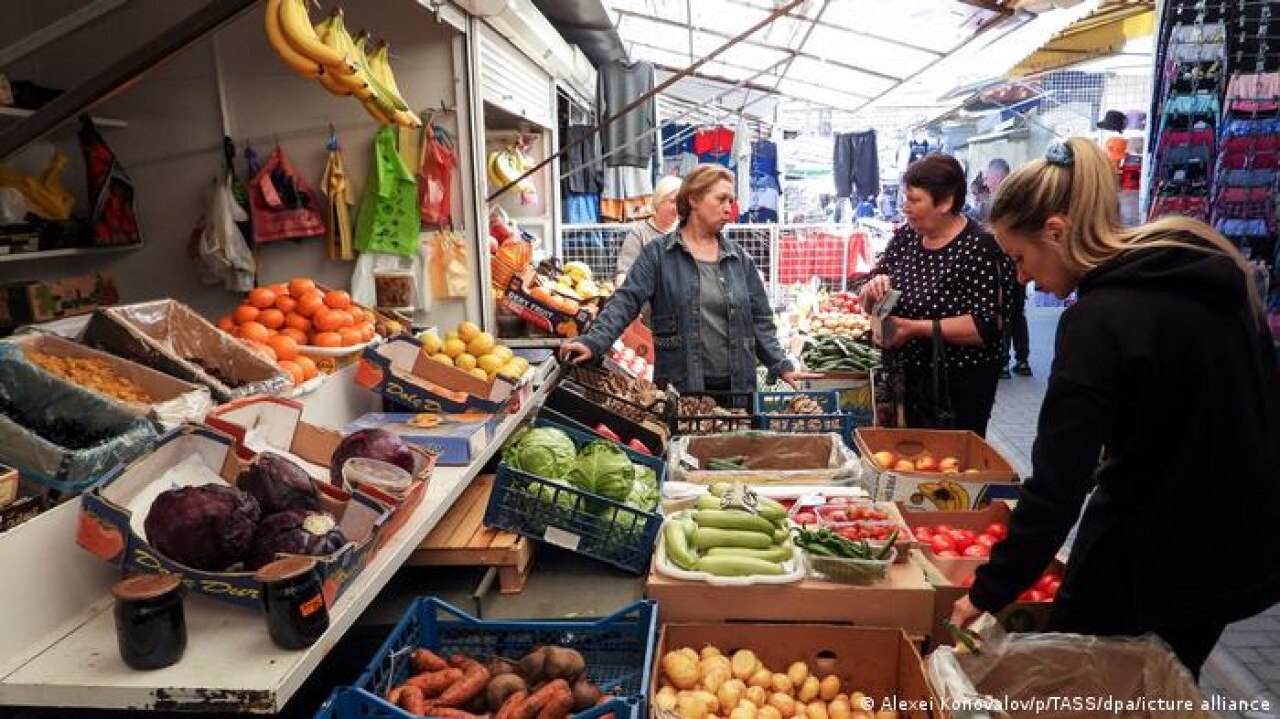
941, 387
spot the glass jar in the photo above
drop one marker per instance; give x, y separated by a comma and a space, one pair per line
293, 597
393, 290
151, 629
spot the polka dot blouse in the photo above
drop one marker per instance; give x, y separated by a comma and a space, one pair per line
962, 278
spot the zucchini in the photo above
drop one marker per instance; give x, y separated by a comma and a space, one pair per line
772, 554
705, 538
731, 566
734, 519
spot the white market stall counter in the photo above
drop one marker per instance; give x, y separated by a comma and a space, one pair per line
67, 656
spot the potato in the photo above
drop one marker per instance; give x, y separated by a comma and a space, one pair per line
680, 669
691, 707
688, 652
713, 704
665, 699
762, 678
887, 714
711, 680
808, 690
744, 664
862, 714
730, 693
785, 705
710, 651
798, 710
841, 697
744, 710
839, 709
797, 673
768, 712
829, 687
720, 662
757, 695
816, 710
781, 683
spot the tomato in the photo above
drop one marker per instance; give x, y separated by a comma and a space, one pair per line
960, 538
967, 581
947, 554
923, 534
941, 528
850, 533
986, 540
838, 516
977, 551
997, 530
941, 543
804, 519
1052, 588
838, 501
1043, 582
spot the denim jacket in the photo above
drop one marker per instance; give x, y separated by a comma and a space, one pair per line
666, 276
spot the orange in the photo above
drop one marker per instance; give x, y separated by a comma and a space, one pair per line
327, 320
226, 324
262, 349
298, 335
350, 336
308, 366
300, 286
262, 298
540, 294
367, 331
254, 332
347, 319
272, 318
297, 322
245, 313
280, 288
337, 300
310, 303
285, 303
293, 369
369, 316
327, 339
285, 346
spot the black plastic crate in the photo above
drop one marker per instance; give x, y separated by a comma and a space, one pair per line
772, 409
683, 422
570, 404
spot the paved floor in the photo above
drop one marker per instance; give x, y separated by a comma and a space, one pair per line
1245, 666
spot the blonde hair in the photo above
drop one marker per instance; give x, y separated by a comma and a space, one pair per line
665, 186
698, 183
1083, 191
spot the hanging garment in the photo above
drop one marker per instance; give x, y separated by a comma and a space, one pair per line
677, 139
221, 253
627, 141
764, 158
918, 149
387, 220
337, 188
856, 165
113, 217
435, 180
581, 208
1253, 92
585, 174
282, 204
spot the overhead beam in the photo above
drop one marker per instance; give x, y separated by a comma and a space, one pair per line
121, 74
714, 78
826, 88
990, 6
756, 43
62, 26
841, 28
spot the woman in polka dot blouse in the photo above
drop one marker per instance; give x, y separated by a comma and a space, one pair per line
950, 269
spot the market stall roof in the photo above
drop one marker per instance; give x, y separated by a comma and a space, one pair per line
1108, 31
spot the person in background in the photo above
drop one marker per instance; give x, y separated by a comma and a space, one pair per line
947, 268
640, 232
711, 317
1016, 336
1165, 361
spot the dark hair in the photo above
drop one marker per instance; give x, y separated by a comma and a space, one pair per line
696, 184
941, 176
999, 165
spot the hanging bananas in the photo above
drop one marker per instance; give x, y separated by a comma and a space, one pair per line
328, 53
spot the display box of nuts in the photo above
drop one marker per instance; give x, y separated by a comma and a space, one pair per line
812, 411
701, 413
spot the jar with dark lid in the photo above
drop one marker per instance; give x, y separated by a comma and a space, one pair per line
293, 597
151, 629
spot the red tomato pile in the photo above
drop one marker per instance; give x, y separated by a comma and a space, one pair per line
1044, 590
838, 510
872, 531
950, 543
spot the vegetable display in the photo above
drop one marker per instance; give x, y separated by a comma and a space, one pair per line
833, 353
294, 531
209, 527
544, 451
801, 404
951, 543
600, 467
603, 468
701, 415
1045, 588
376, 443
548, 683
705, 684
923, 462
837, 557
278, 485
721, 536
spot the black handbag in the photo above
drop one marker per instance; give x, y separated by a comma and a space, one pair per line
928, 399
944, 415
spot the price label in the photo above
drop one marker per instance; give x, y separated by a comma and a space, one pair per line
562, 539
690, 461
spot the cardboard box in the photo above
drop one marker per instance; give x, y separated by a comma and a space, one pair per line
946, 582
904, 600
772, 458
28, 302
105, 527
995, 477
174, 401
548, 319
972, 520
857, 395
402, 371
456, 441
26, 506
882, 663
8, 485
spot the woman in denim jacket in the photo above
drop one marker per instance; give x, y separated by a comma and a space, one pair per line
711, 316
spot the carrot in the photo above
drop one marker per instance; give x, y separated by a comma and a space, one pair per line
425, 660
538, 700
433, 683
475, 677
412, 700
511, 704
449, 713
560, 704
393, 695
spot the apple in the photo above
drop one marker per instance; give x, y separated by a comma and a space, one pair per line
949, 464
986, 540
885, 459
926, 464
961, 539
947, 554
941, 543
967, 581
904, 465
997, 530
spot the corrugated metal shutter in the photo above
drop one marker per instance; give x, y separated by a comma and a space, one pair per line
512, 81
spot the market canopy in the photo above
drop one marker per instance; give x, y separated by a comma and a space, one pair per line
1105, 32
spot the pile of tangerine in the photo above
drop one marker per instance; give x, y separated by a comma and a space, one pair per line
280, 321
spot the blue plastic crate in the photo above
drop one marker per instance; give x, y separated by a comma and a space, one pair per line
618, 649
771, 407
352, 703
568, 517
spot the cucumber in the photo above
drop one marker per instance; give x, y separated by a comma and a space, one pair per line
705, 538
730, 566
734, 519
772, 554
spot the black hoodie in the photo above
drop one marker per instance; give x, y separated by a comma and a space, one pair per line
1163, 363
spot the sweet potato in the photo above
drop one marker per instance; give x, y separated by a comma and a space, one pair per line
393, 695
425, 660
433, 684
449, 713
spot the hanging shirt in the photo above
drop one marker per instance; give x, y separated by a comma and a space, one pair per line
629, 140
713, 141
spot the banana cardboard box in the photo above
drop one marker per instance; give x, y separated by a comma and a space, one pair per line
937, 470
402, 371
548, 311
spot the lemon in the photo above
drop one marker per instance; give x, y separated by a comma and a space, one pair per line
511, 370
454, 348
465, 361
490, 363
520, 362
443, 359
431, 342
451, 335
503, 353
480, 345
479, 374
468, 331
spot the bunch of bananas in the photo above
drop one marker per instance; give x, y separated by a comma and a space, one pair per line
508, 164
575, 280
342, 64
946, 496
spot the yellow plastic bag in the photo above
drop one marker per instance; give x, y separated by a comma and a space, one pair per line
450, 276
46, 197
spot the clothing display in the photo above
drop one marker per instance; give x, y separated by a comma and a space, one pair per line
627, 193
627, 141
764, 189
581, 208
585, 173
715, 145
856, 164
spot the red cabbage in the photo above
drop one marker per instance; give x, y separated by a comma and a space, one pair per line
378, 444
210, 527
278, 485
296, 531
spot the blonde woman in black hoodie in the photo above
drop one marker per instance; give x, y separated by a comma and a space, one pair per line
1164, 361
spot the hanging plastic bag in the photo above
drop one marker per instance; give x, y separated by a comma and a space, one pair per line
46, 197
337, 187
113, 219
435, 187
387, 220
449, 274
282, 203
220, 250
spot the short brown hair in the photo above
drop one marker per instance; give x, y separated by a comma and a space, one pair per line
941, 176
698, 183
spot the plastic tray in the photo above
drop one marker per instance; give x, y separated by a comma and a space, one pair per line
702, 424
618, 649
771, 412
571, 518
666, 568
588, 413
352, 703
849, 571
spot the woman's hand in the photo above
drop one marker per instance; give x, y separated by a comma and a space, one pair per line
963, 612
576, 353
875, 288
905, 330
793, 376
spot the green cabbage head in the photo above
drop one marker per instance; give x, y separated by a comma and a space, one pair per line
542, 451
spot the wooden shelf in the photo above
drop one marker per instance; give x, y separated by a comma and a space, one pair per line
99, 121
68, 252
